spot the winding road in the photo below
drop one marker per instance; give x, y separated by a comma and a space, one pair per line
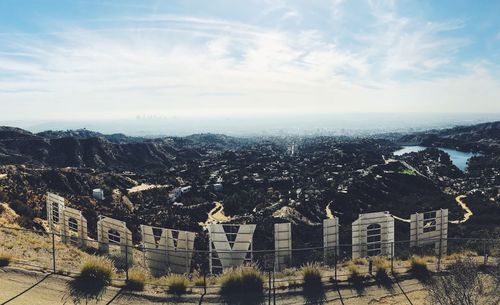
216, 215
329, 213
467, 212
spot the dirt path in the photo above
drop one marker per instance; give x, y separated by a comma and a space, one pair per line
216, 215
328, 211
21, 287
467, 212
401, 219
144, 187
39, 289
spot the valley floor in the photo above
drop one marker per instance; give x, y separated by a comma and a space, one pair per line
23, 287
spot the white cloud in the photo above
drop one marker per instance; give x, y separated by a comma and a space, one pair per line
291, 15
172, 65
400, 44
336, 9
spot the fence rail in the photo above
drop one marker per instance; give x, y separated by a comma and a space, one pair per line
48, 251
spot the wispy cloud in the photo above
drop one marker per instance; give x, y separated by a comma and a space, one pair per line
177, 64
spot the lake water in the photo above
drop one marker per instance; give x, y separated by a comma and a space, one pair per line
459, 158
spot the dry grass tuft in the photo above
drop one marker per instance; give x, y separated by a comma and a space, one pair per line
5, 259
136, 279
419, 269
460, 255
355, 277
312, 286
243, 285
177, 285
95, 274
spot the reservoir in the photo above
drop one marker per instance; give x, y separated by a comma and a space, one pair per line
459, 158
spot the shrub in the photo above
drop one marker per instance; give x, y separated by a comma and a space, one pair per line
312, 285
243, 285
419, 269
464, 284
5, 259
382, 271
123, 261
95, 274
136, 279
460, 255
360, 261
287, 272
355, 278
177, 285
199, 281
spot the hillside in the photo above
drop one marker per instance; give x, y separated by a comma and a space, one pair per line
257, 180
481, 137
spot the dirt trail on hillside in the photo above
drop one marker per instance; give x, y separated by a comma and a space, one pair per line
328, 211
467, 212
216, 215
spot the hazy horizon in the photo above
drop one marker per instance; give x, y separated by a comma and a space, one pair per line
348, 124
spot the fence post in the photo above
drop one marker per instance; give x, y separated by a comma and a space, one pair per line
269, 297
392, 257
335, 262
440, 252
274, 290
204, 283
485, 254
53, 252
126, 262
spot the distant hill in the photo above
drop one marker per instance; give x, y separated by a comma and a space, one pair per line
86, 134
481, 137
86, 148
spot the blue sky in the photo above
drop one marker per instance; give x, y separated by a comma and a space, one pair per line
71, 59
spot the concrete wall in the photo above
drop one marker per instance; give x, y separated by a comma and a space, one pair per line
110, 243
430, 228
330, 239
55, 207
74, 227
180, 246
230, 245
360, 244
282, 246
167, 250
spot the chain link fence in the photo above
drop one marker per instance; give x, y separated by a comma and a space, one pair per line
57, 253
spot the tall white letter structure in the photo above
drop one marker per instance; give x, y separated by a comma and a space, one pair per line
167, 250
330, 238
155, 249
230, 245
114, 237
74, 227
55, 208
180, 246
372, 234
282, 246
430, 228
